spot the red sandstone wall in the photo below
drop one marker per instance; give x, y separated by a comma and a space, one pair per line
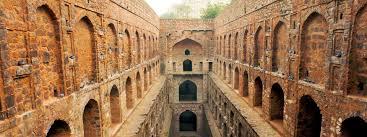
57, 56
307, 47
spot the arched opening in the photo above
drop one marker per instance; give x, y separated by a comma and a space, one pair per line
138, 47
129, 93
187, 52
231, 117
145, 45
85, 52
188, 121
245, 84
225, 46
49, 52
279, 47
111, 41
236, 79
357, 60
128, 48
229, 46
187, 65
245, 47
220, 45
353, 127
150, 75
59, 129
230, 74
276, 103
115, 105
313, 49
240, 130
91, 120
225, 130
138, 85
149, 47
258, 92
259, 47
224, 71
145, 80
309, 118
236, 46
187, 91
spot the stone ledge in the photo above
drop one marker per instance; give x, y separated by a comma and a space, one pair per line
253, 118
133, 123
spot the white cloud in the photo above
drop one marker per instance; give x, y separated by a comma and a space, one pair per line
162, 6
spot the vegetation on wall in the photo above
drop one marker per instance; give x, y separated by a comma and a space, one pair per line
203, 9
212, 10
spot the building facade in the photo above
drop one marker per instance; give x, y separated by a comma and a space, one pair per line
112, 68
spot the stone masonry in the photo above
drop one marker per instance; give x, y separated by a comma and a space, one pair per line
112, 68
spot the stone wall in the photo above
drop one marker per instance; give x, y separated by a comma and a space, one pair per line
65, 61
286, 54
195, 35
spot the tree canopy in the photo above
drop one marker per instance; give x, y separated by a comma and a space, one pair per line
212, 10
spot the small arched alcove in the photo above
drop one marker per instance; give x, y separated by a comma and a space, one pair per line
115, 105
187, 46
187, 65
188, 91
353, 127
187, 52
59, 129
188, 121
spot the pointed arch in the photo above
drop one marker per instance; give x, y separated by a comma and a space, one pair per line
258, 92
357, 60
236, 78
138, 85
59, 128
187, 65
230, 70
187, 91
138, 46
235, 46
150, 75
129, 93
280, 42
146, 79
225, 46
244, 52
85, 51
259, 47
353, 127
91, 119
145, 46
245, 87
276, 102
188, 121
229, 46
49, 51
314, 44
128, 48
111, 41
115, 105
309, 118
220, 46
224, 71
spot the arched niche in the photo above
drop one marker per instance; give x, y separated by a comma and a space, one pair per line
188, 121
59, 129
187, 91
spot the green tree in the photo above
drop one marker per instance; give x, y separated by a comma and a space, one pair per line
212, 10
